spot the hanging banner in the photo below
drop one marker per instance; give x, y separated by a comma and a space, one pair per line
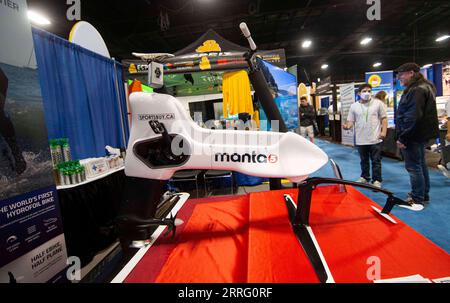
382, 81
347, 99
446, 78
32, 245
211, 52
198, 62
324, 86
293, 70
283, 86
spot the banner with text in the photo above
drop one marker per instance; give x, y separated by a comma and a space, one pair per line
32, 246
446, 78
384, 81
347, 99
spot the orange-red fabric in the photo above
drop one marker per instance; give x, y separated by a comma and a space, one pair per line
239, 241
135, 86
249, 239
149, 267
274, 254
350, 232
213, 246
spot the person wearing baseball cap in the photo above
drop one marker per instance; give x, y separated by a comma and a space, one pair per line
410, 66
416, 124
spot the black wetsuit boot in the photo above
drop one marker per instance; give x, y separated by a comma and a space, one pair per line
12, 279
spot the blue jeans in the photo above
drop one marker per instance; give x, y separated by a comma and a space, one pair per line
370, 152
414, 155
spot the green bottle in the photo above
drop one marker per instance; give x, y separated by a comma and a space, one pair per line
66, 174
61, 175
55, 152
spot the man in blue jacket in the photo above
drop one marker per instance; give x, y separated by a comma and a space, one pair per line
416, 124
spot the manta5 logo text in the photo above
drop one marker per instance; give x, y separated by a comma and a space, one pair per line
246, 158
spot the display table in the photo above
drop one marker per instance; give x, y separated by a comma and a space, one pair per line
93, 179
249, 238
390, 148
88, 211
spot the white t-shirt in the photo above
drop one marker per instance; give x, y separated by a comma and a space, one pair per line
367, 120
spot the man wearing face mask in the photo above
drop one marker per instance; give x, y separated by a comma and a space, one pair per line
416, 124
369, 119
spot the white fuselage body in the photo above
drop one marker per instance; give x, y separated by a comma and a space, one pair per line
256, 153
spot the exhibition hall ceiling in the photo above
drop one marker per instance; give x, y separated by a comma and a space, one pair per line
406, 31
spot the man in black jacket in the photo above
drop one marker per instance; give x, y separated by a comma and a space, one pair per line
416, 124
307, 116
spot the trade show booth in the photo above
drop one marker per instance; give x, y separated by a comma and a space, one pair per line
189, 168
84, 102
196, 72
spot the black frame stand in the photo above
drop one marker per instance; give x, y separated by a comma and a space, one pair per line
138, 215
299, 216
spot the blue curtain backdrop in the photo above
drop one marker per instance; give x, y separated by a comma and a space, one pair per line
81, 92
437, 78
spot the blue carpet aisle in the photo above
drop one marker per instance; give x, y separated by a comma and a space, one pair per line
433, 222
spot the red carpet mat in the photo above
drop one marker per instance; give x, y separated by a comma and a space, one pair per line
350, 232
249, 239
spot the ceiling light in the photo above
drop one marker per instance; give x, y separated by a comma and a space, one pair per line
442, 38
306, 43
366, 41
427, 65
324, 66
376, 64
37, 18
